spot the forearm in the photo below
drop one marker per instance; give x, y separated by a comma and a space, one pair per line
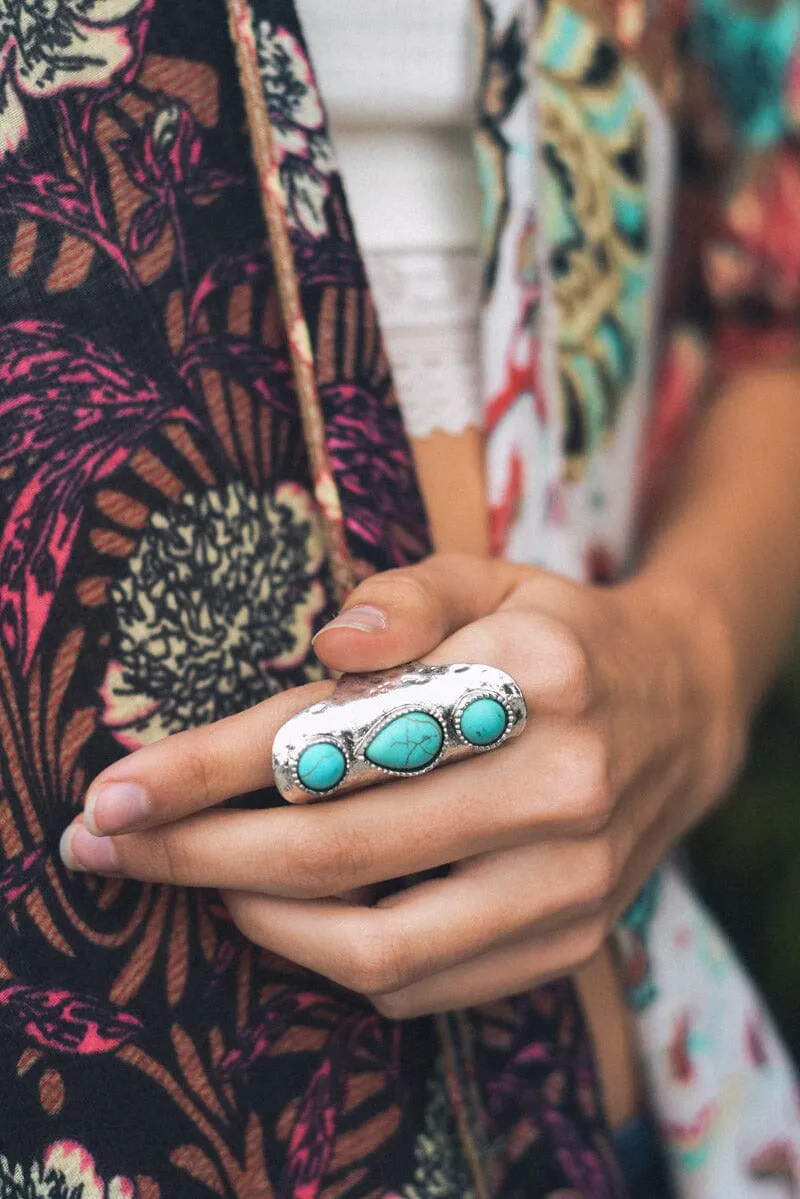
726, 545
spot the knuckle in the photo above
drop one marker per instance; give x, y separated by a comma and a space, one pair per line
585, 944
396, 1007
378, 965
592, 798
410, 588
243, 911
307, 861
575, 682
168, 850
500, 639
491, 642
322, 859
195, 770
600, 874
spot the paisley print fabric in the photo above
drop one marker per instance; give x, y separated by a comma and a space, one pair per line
590, 392
722, 1082
595, 214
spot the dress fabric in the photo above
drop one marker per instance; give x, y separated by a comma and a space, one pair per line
648, 254
200, 450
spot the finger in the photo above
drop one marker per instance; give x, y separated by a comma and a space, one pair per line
548, 784
544, 657
367, 963
500, 973
196, 769
399, 615
436, 924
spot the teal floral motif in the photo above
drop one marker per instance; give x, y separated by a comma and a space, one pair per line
632, 936
596, 221
749, 50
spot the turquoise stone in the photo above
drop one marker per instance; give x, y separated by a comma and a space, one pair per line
483, 721
321, 766
410, 742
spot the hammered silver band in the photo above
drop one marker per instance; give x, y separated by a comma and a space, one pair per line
395, 724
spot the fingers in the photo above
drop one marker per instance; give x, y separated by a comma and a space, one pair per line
546, 660
369, 951
196, 769
548, 784
437, 924
508, 970
456, 608
400, 615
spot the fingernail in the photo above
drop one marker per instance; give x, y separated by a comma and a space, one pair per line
115, 808
81, 850
362, 617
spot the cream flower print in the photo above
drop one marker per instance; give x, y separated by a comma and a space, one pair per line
218, 603
67, 1171
305, 156
47, 46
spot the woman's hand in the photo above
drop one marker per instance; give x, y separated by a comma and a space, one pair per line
634, 731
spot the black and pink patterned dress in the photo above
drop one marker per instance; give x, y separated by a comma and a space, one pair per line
199, 449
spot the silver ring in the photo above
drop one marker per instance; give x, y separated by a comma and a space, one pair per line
395, 724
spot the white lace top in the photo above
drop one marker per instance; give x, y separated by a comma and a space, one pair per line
401, 128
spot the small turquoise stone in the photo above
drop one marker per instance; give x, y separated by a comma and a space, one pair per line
483, 721
409, 742
321, 766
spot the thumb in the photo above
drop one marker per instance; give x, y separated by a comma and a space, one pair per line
399, 615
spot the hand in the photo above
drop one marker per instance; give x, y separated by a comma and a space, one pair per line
633, 733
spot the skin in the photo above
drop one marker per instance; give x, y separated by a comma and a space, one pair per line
640, 695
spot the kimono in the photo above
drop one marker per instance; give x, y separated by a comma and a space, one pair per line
201, 453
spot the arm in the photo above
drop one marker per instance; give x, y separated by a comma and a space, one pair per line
726, 549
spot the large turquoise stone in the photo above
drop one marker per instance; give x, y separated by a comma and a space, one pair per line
483, 721
409, 742
321, 766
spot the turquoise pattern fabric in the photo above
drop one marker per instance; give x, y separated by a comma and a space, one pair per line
749, 52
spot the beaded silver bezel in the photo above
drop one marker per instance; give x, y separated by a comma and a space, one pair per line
321, 739
436, 714
461, 707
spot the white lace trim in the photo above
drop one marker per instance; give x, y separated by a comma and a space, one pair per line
428, 303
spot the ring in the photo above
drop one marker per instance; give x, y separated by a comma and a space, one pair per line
394, 724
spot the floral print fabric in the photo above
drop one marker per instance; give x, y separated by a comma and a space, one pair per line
63, 45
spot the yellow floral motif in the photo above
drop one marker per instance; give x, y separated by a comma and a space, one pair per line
219, 601
49, 46
66, 1169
